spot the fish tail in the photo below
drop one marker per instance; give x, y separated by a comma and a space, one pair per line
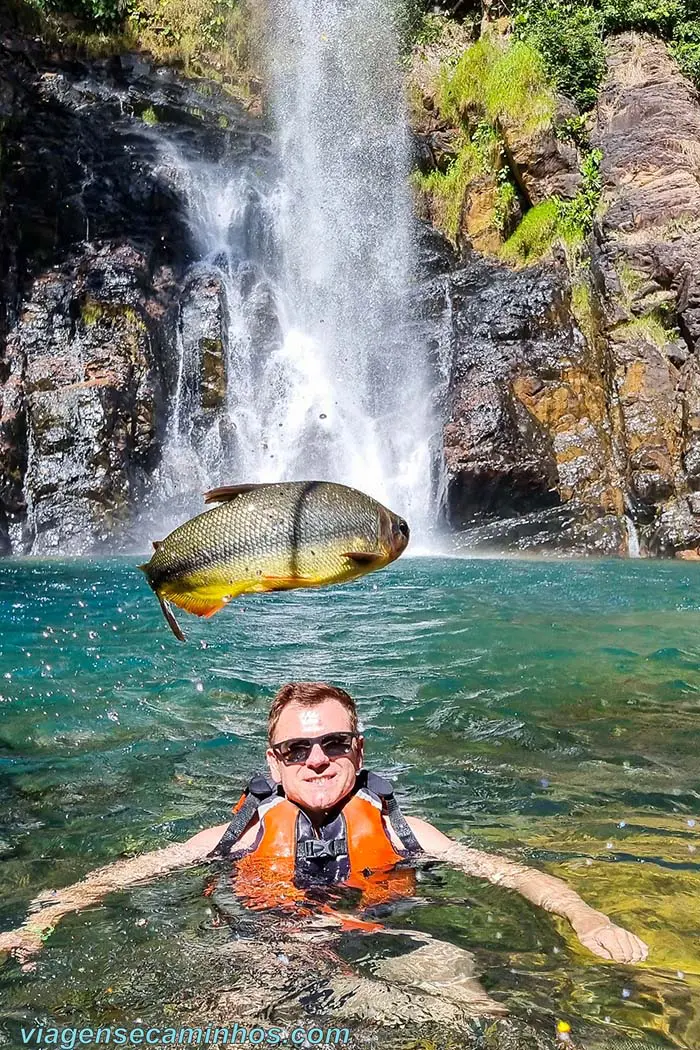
172, 622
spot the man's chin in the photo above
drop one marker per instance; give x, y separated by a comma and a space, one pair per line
323, 795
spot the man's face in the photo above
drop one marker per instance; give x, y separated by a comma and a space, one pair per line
320, 782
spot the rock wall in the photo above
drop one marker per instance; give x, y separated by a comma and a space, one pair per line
586, 442
572, 404
93, 281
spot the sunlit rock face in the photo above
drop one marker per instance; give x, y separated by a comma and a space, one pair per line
645, 263
556, 439
527, 441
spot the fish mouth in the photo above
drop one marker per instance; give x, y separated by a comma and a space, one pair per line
395, 534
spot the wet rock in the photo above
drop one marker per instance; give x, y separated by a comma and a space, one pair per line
528, 429
93, 257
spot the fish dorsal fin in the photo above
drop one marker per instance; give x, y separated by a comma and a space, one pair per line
363, 557
156, 544
228, 492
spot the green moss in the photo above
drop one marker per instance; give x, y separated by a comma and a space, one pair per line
566, 221
630, 282
582, 306
506, 201
149, 116
535, 235
91, 312
648, 329
504, 82
448, 189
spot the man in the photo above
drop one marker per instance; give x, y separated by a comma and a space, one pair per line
326, 815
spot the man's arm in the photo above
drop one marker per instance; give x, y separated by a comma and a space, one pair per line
49, 907
593, 928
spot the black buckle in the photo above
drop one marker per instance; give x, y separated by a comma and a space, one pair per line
318, 849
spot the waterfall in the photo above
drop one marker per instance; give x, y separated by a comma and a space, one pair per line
312, 259
633, 546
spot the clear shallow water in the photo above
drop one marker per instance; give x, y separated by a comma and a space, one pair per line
549, 709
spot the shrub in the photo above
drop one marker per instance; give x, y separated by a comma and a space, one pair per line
569, 37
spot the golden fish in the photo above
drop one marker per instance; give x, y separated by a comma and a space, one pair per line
271, 538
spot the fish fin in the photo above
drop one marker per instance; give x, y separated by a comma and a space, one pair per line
363, 557
197, 604
156, 544
172, 622
228, 492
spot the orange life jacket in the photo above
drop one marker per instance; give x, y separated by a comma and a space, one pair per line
290, 857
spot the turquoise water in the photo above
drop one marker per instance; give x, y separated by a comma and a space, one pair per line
547, 709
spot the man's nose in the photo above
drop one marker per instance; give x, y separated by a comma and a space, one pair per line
317, 759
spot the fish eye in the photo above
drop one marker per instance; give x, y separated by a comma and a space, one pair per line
403, 528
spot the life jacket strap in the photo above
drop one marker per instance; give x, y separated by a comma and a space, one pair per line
384, 789
258, 790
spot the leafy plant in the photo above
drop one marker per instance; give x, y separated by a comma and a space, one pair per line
576, 216
569, 37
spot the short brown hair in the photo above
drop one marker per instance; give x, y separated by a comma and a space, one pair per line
308, 694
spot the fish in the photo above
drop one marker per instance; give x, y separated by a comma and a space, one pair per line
271, 537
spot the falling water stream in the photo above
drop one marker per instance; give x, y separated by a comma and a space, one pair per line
326, 374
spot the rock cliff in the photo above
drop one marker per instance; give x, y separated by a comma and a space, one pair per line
93, 283
573, 407
572, 403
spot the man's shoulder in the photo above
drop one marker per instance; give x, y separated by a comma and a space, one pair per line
430, 838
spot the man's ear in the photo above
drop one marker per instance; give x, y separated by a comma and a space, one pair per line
360, 751
273, 765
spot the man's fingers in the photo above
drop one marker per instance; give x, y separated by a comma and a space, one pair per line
613, 942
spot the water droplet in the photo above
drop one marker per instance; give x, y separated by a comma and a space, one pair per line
199, 687
113, 716
608, 845
544, 782
323, 416
622, 824
691, 823
626, 993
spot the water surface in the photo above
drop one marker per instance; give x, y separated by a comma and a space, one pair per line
546, 709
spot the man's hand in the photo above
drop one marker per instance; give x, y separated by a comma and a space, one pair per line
613, 942
22, 943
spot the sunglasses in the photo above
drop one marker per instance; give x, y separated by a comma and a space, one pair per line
297, 750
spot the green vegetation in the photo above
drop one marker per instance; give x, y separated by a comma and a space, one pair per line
91, 312
569, 37
503, 82
576, 216
649, 329
479, 156
149, 116
535, 235
208, 37
554, 219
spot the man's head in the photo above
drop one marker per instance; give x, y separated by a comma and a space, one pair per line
320, 776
